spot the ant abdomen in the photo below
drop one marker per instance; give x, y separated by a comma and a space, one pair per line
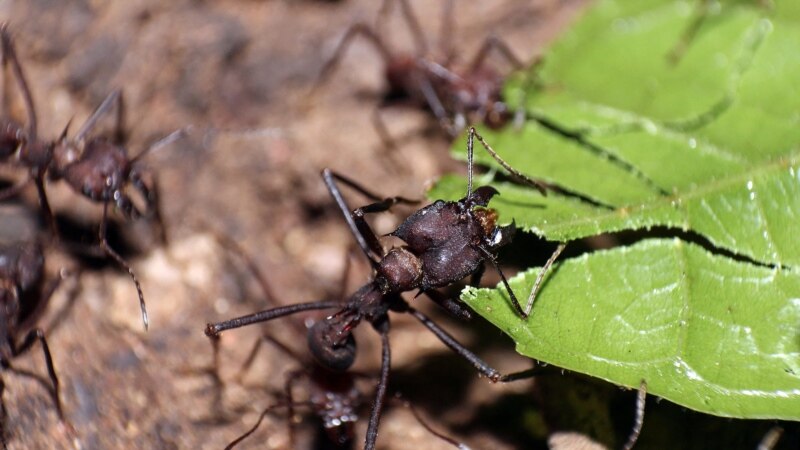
334, 356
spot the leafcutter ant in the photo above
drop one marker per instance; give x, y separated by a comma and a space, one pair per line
333, 396
97, 167
444, 243
456, 95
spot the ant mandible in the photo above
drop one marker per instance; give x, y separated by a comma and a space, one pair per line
455, 95
445, 242
95, 166
333, 396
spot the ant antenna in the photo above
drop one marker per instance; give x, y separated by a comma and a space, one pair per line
10, 55
541, 187
470, 138
163, 142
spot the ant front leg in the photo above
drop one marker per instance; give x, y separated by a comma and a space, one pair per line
483, 368
361, 230
490, 257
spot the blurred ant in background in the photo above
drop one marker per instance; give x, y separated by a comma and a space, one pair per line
456, 95
97, 167
25, 293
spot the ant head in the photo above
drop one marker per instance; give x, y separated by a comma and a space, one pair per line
331, 354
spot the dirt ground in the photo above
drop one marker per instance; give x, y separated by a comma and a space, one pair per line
239, 72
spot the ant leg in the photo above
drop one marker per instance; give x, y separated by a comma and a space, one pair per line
437, 108
357, 29
488, 256
410, 18
9, 55
153, 200
264, 413
257, 346
406, 404
485, 369
451, 305
30, 339
383, 130
214, 329
361, 230
494, 43
446, 33
521, 177
639, 418
232, 246
113, 99
539, 278
50, 218
287, 388
116, 257
380, 392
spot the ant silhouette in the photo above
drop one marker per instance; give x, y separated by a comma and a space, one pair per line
97, 167
332, 396
24, 295
455, 95
444, 243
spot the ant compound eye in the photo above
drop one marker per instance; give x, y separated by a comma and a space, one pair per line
337, 357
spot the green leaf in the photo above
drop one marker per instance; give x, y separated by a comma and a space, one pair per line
707, 143
704, 331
